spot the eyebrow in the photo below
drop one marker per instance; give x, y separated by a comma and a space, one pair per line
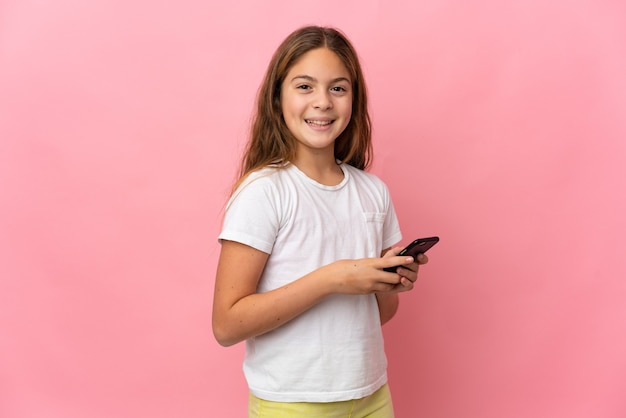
312, 79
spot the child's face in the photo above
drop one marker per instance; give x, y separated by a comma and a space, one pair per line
316, 100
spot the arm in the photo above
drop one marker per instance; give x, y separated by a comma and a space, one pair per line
240, 313
387, 305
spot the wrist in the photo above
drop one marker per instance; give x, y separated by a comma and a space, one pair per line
336, 275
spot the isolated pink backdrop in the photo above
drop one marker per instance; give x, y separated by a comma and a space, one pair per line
499, 125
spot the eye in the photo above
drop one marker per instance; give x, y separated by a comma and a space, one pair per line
303, 87
339, 89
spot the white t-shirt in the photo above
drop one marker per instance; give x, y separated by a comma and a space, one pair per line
334, 351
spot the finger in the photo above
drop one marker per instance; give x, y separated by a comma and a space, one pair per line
413, 267
403, 261
422, 258
392, 279
408, 273
392, 264
406, 284
386, 287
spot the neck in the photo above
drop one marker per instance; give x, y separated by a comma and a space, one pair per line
323, 170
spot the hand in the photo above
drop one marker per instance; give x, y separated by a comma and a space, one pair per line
407, 271
365, 275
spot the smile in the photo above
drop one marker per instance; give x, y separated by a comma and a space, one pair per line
318, 122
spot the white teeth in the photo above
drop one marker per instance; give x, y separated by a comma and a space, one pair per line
319, 122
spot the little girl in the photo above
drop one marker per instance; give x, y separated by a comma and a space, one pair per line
306, 236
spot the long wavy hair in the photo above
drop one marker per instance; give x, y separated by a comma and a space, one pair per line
270, 140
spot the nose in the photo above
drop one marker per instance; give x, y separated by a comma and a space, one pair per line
323, 100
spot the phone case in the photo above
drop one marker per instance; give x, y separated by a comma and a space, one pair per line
419, 246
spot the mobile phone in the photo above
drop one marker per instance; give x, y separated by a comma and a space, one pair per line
419, 246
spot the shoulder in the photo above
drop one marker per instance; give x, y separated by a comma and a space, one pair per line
267, 183
365, 178
266, 177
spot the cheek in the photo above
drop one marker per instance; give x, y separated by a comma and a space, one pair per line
291, 105
347, 110
348, 107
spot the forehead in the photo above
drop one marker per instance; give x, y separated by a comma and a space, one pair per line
319, 63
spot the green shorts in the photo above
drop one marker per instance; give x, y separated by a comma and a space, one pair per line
377, 405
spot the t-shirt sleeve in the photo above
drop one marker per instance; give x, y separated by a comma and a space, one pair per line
251, 216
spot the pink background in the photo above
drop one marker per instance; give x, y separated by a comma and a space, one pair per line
499, 125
